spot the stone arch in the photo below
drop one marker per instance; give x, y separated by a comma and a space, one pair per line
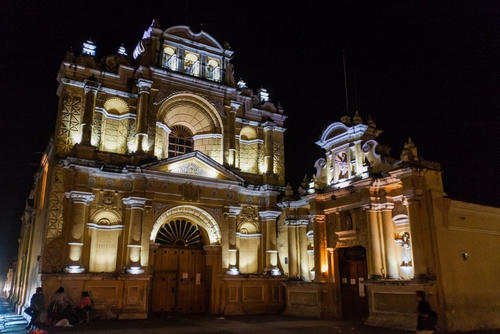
112, 216
248, 133
198, 216
192, 111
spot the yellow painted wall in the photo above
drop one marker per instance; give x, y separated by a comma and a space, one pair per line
470, 286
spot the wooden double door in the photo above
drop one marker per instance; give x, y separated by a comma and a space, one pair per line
353, 273
179, 280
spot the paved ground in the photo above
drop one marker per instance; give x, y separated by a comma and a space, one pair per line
257, 324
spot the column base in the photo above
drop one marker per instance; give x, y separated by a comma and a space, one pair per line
233, 271
273, 271
134, 270
74, 269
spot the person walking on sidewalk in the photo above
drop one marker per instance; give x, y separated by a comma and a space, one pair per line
37, 304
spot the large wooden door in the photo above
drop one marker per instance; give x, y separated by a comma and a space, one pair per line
179, 280
352, 268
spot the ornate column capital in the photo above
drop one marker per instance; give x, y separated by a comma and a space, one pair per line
296, 222
269, 215
232, 211
91, 86
387, 206
317, 219
134, 202
80, 197
144, 86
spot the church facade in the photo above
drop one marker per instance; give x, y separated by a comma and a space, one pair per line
163, 190
382, 229
159, 190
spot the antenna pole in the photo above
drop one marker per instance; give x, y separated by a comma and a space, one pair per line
345, 85
355, 91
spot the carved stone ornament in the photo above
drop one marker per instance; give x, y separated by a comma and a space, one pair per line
107, 198
215, 212
160, 207
192, 169
248, 215
190, 192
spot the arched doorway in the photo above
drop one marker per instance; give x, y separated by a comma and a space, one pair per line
181, 277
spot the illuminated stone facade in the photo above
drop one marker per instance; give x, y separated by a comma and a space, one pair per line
382, 228
159, 191
164, 190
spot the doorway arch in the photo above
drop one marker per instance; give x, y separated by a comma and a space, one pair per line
181, 278
198, 216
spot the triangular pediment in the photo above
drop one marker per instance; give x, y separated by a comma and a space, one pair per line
194, 164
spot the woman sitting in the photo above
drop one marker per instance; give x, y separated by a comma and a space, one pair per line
83, 306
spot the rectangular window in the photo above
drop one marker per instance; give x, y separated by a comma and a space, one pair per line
213, 69
191, 63
169, 57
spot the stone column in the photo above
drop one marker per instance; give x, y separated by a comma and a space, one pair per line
269, 149
79, 206
417, 238
141, 121
389, 242
292, 248
231, 247
320, 251
375, 264
359, 157
269, 221
305, 270
232, 136
91, 87
133, 233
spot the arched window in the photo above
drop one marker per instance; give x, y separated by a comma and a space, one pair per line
179, 233
180, 141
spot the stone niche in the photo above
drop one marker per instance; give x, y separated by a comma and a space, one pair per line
252, 295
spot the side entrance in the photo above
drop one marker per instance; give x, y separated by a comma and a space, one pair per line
179, 278
352, 268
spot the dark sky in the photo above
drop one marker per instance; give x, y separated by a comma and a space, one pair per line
429, 70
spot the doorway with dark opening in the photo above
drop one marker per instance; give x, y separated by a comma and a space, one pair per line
353, 273
179, 271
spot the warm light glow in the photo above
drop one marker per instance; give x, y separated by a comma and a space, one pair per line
275, 272
233, 271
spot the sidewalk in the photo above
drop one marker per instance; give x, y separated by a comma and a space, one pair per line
206, 324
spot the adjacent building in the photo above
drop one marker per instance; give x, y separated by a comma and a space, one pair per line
163, 190
381, 228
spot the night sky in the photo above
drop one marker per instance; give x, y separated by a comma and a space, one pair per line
429, 70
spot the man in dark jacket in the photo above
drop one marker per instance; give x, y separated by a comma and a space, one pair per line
37, 304
426, 319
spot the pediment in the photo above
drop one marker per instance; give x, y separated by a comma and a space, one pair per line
194, 164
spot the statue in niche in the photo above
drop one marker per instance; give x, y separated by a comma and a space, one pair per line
341, 161
405, 250
230, 81
348, 222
